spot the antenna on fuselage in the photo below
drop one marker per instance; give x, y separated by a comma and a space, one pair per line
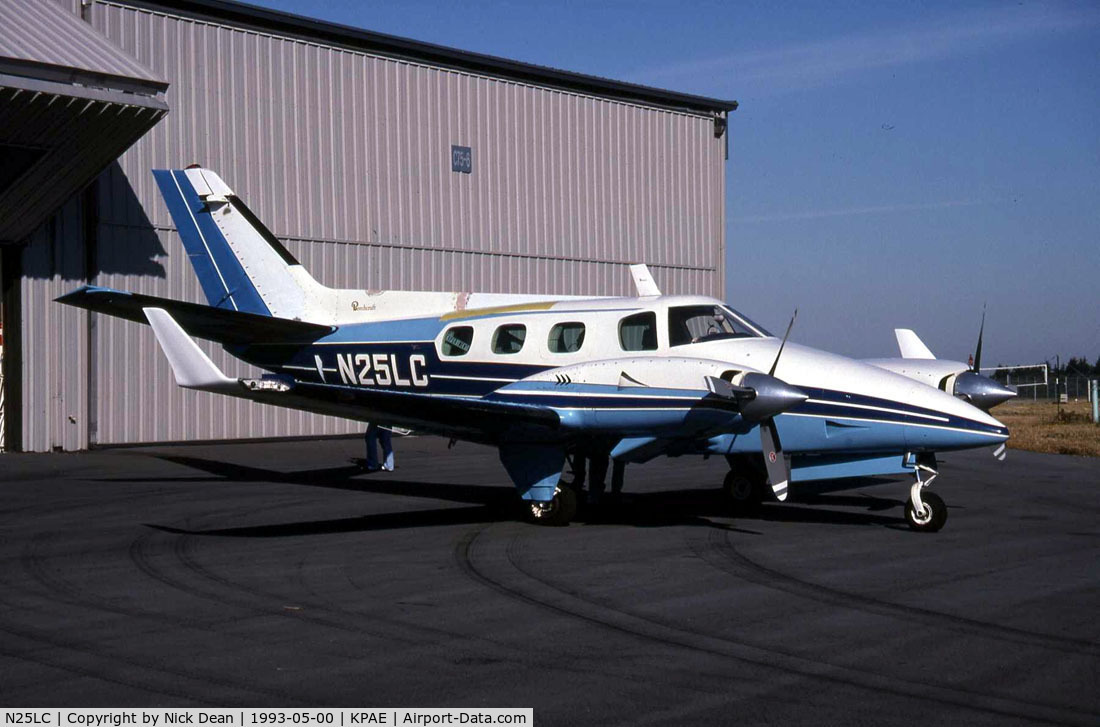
643, 281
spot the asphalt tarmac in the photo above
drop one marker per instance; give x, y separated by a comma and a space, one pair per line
277, 574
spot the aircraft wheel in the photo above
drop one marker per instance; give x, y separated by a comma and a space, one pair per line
559, 511
743, 493
933, 517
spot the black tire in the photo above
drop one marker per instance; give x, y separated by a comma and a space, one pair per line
556, 513
935, 513
743, 493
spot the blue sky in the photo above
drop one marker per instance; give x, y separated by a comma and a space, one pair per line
891, 165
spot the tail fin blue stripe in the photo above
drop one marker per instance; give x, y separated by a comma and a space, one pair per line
220, 273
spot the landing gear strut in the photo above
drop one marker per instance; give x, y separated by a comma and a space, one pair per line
925, 512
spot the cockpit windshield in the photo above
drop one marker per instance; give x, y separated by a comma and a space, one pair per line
698, 323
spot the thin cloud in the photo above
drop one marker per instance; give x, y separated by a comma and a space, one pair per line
831, 61
850, 211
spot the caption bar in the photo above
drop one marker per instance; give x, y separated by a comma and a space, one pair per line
264, 717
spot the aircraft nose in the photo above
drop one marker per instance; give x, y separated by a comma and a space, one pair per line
961, 425
981, 391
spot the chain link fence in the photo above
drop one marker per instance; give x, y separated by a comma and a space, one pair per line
1037, 382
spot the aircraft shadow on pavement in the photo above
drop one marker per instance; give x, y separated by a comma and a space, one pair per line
708, 507
695, 507
342, 478
363, 523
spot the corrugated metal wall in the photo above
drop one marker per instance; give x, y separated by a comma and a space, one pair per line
347, 156
55, 371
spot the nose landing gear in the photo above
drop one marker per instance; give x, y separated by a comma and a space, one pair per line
925, 512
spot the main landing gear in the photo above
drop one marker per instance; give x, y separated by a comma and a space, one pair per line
744, 491
559, 511
924, 511
745, 486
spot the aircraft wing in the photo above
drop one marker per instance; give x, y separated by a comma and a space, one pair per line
475, 419
471, 419
224, 325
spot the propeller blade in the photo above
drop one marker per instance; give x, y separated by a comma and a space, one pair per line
779, 472
978, 352
783, 343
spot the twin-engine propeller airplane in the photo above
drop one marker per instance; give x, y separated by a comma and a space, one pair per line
541, 377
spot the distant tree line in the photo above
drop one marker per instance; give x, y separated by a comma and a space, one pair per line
1075, 366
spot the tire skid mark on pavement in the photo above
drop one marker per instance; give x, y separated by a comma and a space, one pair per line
624, 672
160, 556
317, 612
539, 592
37, 567
54, 662
723, 555
145, 674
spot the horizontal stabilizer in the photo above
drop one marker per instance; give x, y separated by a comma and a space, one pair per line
214, 324
192, 368
910, 345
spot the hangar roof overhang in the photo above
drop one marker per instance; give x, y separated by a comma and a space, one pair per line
347, 36
70, 103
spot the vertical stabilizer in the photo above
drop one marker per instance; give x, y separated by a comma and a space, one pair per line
240, 264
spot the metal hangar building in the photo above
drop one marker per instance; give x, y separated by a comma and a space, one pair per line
381, 162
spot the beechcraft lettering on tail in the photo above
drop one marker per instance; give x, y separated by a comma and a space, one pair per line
545, 378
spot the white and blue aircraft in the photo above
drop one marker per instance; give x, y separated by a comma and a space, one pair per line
542, 377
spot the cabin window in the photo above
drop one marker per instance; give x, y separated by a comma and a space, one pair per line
566, 337
638, 332
509, 338
456, 341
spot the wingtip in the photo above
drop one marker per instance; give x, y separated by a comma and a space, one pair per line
72, 296
192, 368
84, 291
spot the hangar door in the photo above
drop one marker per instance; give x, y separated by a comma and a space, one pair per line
2, 387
